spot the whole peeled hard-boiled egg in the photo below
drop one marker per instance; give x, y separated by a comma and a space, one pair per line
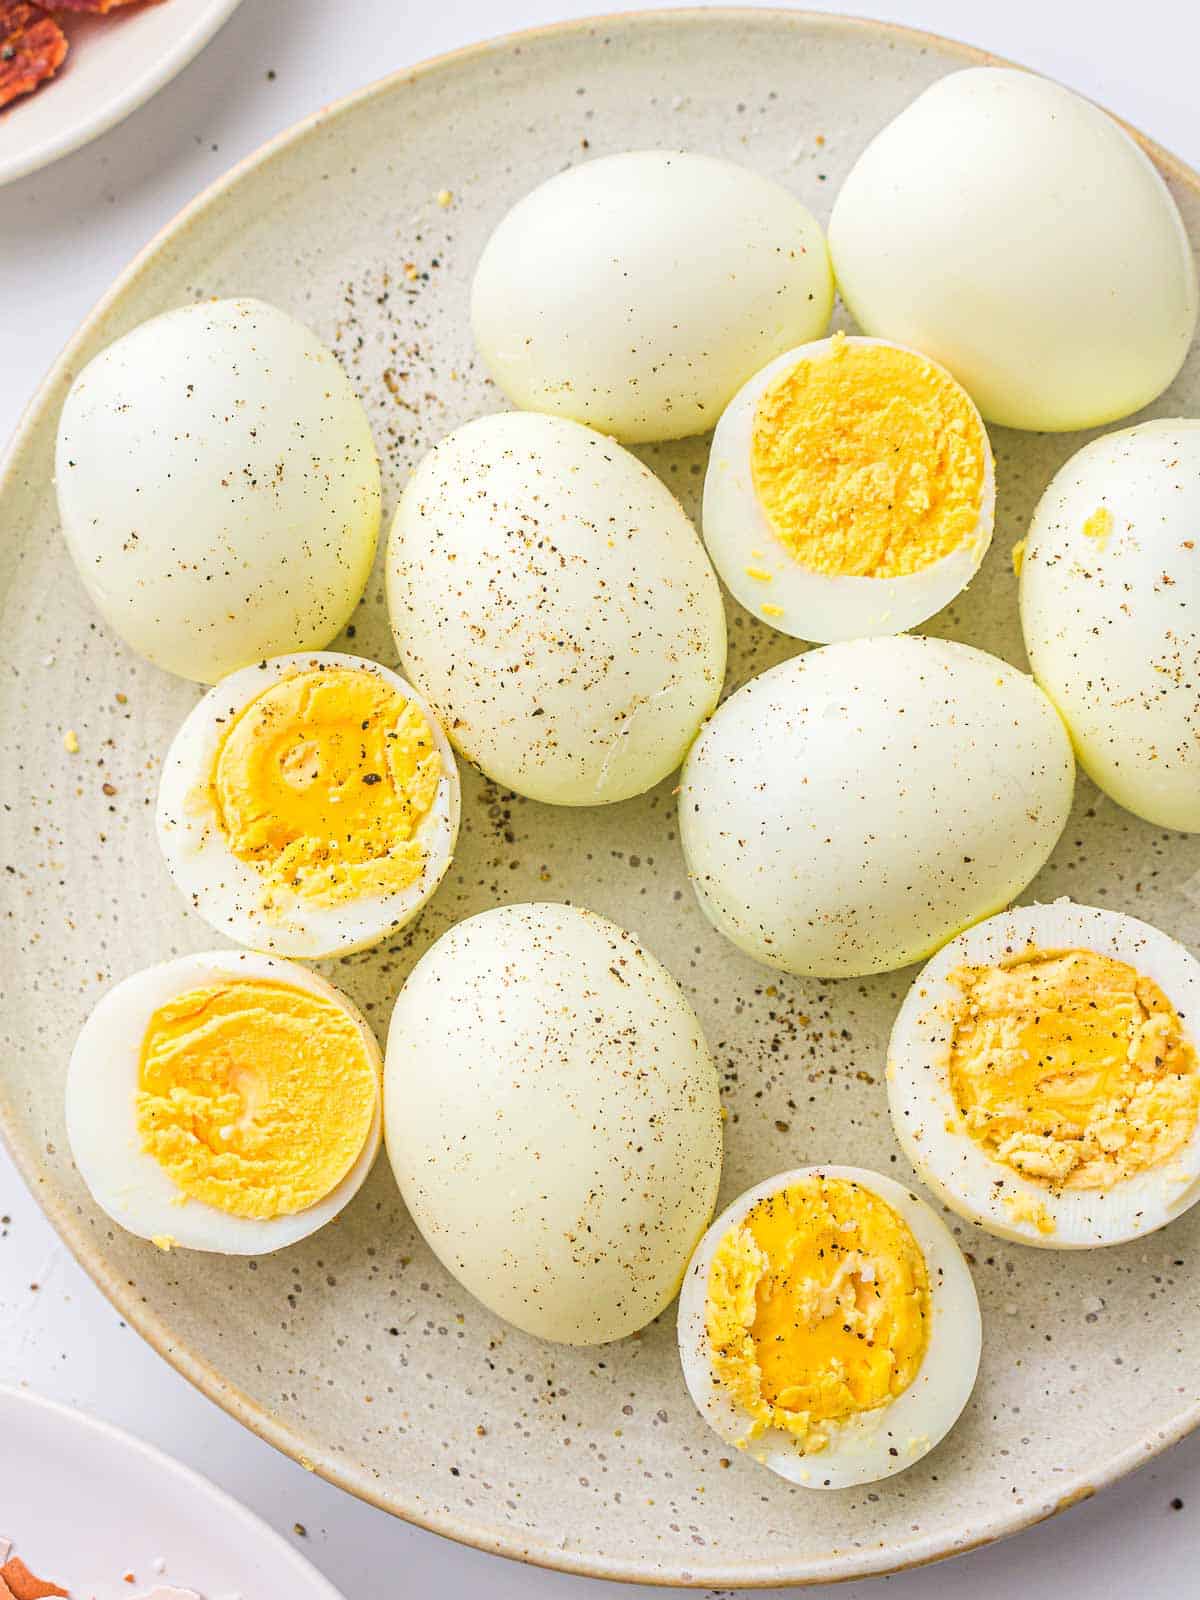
553, 1121
1044, 1079
218, 487
1110, 605
637, 292
552, 600
309, 805
1017, 234
225, 1102
829, 1327
853, 808
850, 490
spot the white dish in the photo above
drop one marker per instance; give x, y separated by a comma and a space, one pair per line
84, 1504
114, 65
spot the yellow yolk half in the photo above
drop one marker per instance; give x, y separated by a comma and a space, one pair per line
1072, 1068
818, 1308
254, 1097
868, 462
322, 783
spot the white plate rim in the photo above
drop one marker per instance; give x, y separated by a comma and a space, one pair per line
122, 104
266, 1425
190, 1482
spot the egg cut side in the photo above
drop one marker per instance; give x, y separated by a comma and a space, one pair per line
1043, 1076
309, 806
225, 1102
850, 490
829, 1327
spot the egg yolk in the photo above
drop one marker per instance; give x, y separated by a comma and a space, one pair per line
254, 1097
1072, 1068
868, 462
322, 782
818, 1308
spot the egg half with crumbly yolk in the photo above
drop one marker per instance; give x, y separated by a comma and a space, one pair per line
829, 1327
226, 1102
850, 490
1044, 1078
309, 805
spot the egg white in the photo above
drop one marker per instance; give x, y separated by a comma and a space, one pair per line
228, 892
851, 809
218, 487
635, 292
102, 1079
860, 1450
552, 599
818, 606
1112, 623
1016, 233
552, 1118
922, 1104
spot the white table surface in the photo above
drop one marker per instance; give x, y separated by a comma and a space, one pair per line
64, 235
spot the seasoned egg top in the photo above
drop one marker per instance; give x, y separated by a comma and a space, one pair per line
818, 1308
1072, 1067
322, 783
869, 460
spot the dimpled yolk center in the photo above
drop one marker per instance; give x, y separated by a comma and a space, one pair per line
868, 462
818, 1308
1072, 1068
254, 1097
322, 782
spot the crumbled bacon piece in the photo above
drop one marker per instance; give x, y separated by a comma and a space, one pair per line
32, 48
23, 1585
97, 7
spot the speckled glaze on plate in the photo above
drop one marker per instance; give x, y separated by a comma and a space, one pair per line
354, 1351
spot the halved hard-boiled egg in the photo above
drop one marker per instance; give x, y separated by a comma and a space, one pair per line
309, 805
829, 1326
1044, 1079
225, 1102
850, 490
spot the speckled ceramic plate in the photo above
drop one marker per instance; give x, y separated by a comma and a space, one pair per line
355, 1351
